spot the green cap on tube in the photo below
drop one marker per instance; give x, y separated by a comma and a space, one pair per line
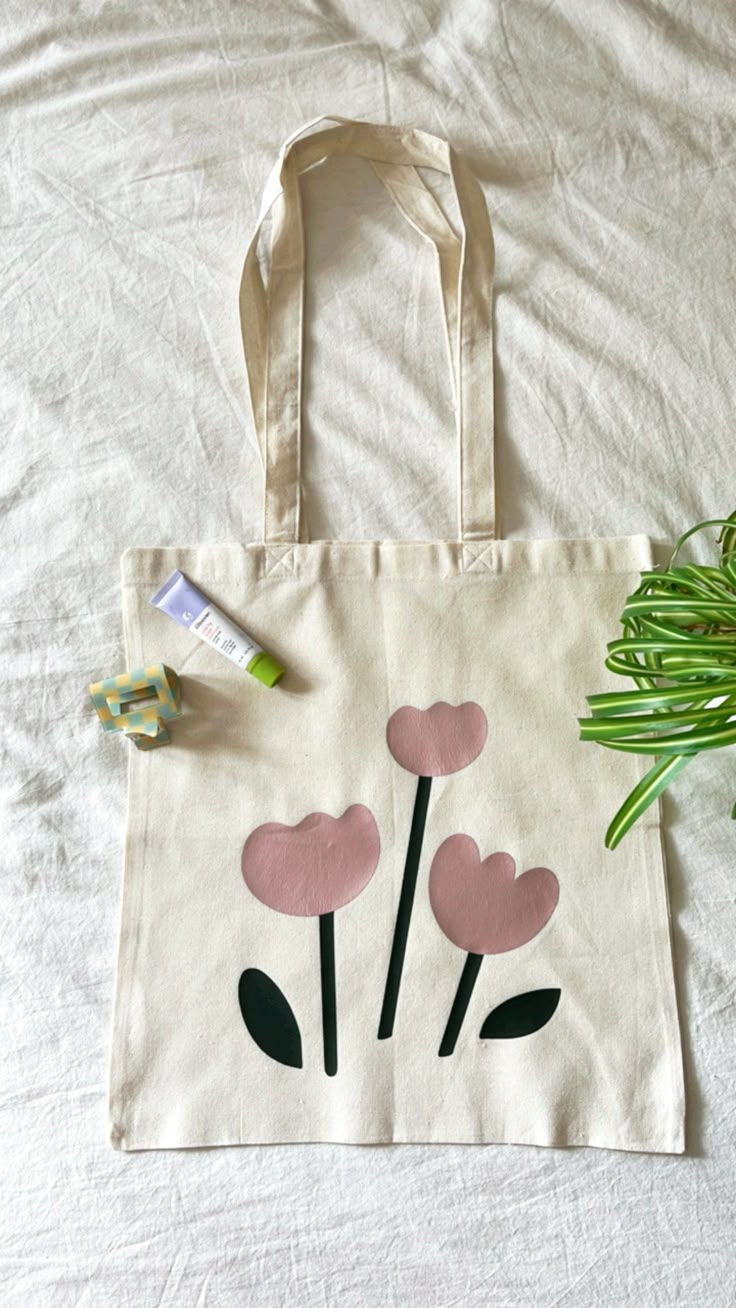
266, 668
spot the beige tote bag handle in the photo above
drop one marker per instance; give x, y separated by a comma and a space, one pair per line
272, 320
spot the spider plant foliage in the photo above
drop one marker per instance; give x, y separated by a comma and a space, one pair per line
679, 648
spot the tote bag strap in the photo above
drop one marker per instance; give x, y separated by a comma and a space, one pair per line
416, 202
272, 320
418, 205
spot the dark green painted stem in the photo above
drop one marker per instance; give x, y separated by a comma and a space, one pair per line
329, 999
404, 911
460, 1004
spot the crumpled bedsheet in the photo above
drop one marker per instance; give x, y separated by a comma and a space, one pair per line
135, 143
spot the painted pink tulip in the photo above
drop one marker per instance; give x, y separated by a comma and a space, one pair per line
315, 867
484, 908
437, 741
433, 742
310, 870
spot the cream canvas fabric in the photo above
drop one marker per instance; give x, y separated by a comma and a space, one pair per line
431, 697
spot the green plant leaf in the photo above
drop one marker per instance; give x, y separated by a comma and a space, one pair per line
678, 645
650, 786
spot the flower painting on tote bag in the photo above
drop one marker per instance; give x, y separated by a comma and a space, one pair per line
323, 863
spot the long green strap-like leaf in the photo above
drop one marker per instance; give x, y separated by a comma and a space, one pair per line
651, 785
631, 701
686, 742
593, 729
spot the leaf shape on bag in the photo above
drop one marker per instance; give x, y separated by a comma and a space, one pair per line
269, 1018
521, 1015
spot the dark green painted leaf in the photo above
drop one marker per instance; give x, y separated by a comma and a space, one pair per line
521, 1015
269, 1018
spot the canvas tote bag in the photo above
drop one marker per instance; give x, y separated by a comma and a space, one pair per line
373, 903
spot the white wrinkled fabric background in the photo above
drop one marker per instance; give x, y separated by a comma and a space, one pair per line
135, 148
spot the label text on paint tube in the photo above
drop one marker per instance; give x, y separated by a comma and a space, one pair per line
218, 631
186, 604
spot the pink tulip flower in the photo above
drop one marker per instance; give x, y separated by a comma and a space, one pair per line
484, 908
315, 867
437, 741
310, 870
433, 742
